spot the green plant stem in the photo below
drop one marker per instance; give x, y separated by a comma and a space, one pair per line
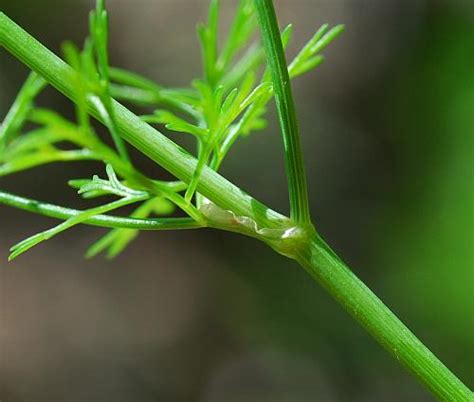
366, 308
141, 135
297, 185
308, 249
106, 221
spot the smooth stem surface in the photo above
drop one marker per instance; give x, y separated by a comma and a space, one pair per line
297, 185
106, 221
366, 308
141, 135
309, 251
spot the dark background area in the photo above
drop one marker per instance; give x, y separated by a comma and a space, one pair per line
388, 127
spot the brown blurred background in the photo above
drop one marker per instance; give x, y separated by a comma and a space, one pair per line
388, 128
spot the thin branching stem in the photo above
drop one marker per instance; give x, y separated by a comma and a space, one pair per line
106, 221
234, 210
297, 186
141, 135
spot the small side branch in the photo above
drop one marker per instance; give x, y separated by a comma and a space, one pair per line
297, 187
139, 134
107, 221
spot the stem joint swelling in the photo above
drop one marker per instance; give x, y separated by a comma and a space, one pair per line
291, 241
229, 102
287, 238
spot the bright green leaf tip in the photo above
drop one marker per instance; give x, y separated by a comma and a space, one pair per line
235, 64
215, 115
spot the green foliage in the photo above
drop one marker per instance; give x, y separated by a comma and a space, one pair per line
309, 57
117, 239
16, 117
112, 186
227, 103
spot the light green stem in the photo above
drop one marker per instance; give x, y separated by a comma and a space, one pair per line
106, 221
141, 135
323, 264
366, 308
17, 115
295, 170
306, 247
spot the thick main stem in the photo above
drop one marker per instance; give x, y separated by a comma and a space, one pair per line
322, 263
141, 135
366, 308
316, 257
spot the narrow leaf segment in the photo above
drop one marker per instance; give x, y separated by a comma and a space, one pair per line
229, 98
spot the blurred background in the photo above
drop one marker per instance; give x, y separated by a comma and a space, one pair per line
388, 129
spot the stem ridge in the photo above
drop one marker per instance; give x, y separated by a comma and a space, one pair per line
296, 174
306, 246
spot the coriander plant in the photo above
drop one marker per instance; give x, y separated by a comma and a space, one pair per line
240, 79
